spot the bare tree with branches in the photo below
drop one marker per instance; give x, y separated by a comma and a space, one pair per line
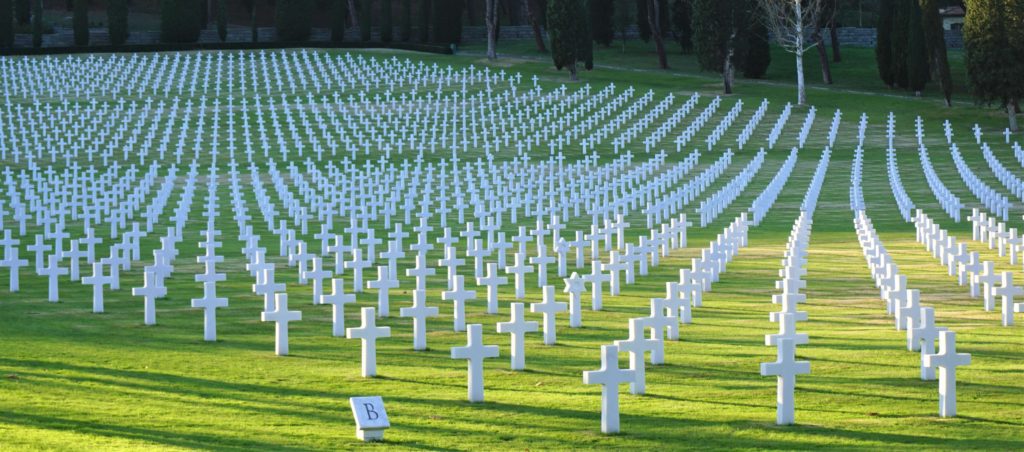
788, 20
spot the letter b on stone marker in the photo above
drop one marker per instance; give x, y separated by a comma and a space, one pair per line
371, 414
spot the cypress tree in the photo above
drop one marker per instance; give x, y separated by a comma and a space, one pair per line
447, 19
80, 22
426, 7
292, 18
917, 52
365, 20
682, 25
37, 23
23, 11
385, 21
6, 24
759, 51
569, 34
900, 37
643, 26
222, 20
178, 20
339, 12
622, 19
718, 39
935, 40
117, 21
994, 46
883, 44
405, 21
601, 14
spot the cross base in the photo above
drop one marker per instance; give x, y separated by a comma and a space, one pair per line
370, 435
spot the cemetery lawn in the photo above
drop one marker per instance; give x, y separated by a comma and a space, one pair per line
73, 380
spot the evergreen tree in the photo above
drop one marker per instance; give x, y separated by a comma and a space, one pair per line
386, 29
622, 19
222, 20
365, 20
117, 21
179, 20
682, 24
447, 19
718, 39
339, 13
405, 21
884, 42
6, 23
601, 14
759, 51
900, 36
569, 34
643, 26
80, 22
995, 45
535, 12
426, 7
293, 19
917, 52
37, 23
23, 11
935, 40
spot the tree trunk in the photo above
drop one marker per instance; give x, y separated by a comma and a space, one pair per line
801, 94
834, 34
1011, 112
353, 21
538, 37
654, 18
252, 24
491, 19
826, 70
728, 71
572, 72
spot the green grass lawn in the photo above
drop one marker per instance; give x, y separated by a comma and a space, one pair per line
73, 380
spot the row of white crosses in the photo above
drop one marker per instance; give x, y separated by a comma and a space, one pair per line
903, 202
917, 321
996, 235
949, 202
785, 368
760, 206
1006, 177
794, 261
717, 202
988, 196
663, 323
964, 264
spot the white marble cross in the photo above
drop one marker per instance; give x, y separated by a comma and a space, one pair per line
1008, 292
97, 281
947, 360
474, 352
337, 299
419, 311
149, 292
785, 368
53, 270
281, 316
548, 308
368, 332
492, 281
609, 376
458, 295
637, 345
517, 327
922, 336
383, 284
